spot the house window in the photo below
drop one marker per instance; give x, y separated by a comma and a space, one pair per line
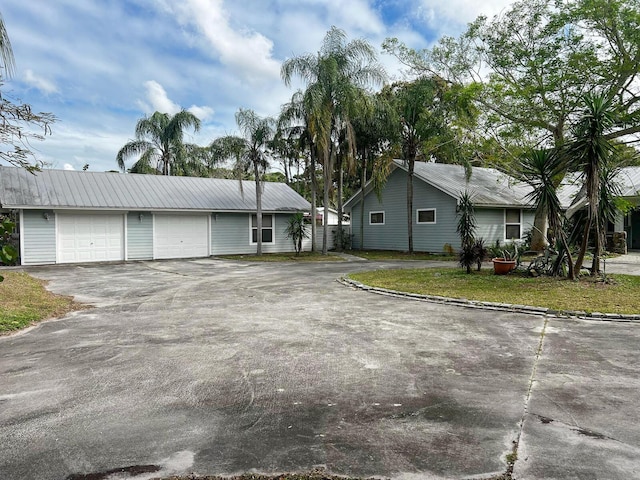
376, 218
267, 228
512, 224
427, 215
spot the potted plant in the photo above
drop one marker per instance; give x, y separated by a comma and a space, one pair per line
507, 261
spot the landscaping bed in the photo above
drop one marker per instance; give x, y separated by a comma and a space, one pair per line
618, 294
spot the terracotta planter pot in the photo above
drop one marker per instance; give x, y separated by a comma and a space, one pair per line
502, 266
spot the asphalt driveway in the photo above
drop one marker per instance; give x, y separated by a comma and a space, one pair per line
219, 367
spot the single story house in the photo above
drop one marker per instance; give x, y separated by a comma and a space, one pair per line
73, 216
503, 210
503, 213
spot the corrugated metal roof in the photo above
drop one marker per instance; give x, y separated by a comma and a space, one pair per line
488, 186
98, 190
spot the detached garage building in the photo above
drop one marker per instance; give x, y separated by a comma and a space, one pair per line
72, 217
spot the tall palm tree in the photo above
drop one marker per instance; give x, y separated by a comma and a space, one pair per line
297, 121
334, 78
159, 142
249, 153
374, 129
589, 153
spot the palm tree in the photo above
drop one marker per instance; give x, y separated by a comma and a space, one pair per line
334, 78
589, 154
297, 121
374, 131
540, 168
159, 142
249, 152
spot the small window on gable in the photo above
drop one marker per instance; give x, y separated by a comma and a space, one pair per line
376, 218
512, 224
427, 215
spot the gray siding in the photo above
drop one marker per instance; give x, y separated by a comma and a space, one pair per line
230, 235
139, 236
393, 234
38, 237
426, 237
490, 223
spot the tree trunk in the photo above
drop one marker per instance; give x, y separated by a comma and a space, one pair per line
583, 247
363, 181
327, 171
410, 204
597, 251
339, 236
539, 234
258, 209
314, 195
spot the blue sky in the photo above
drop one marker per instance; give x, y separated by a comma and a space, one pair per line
100, 65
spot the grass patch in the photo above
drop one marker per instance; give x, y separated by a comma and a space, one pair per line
620, 295
24, 301
285, 257
392, 255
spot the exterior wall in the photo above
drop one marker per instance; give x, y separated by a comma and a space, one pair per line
230, 235
426, 237
393, 234
491, 228
139, 236
37, 237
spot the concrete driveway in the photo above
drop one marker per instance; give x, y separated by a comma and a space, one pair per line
219, 367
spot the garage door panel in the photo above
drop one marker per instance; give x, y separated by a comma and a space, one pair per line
181, 236
90, 238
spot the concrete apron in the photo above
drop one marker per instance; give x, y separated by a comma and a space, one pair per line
219, 367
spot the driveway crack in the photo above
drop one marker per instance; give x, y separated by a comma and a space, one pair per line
513, 456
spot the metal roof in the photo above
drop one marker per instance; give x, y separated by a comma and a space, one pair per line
488, 186
629, 181
491, 187
104, 190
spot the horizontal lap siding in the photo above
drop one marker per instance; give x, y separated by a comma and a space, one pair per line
230, 235
139, 236
434, 237
393, 234
490, 223
38, 237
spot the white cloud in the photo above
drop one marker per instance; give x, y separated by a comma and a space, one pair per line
68, 166
203, 113
42, 84
442, 15
247, 51
159, 101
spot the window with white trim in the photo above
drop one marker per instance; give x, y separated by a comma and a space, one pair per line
267, 228
376, 218
512, 224
426, 216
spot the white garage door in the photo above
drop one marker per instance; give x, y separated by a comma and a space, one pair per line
181, 236
90, 238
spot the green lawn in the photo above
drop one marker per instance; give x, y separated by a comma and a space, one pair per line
619, 296
24, 300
